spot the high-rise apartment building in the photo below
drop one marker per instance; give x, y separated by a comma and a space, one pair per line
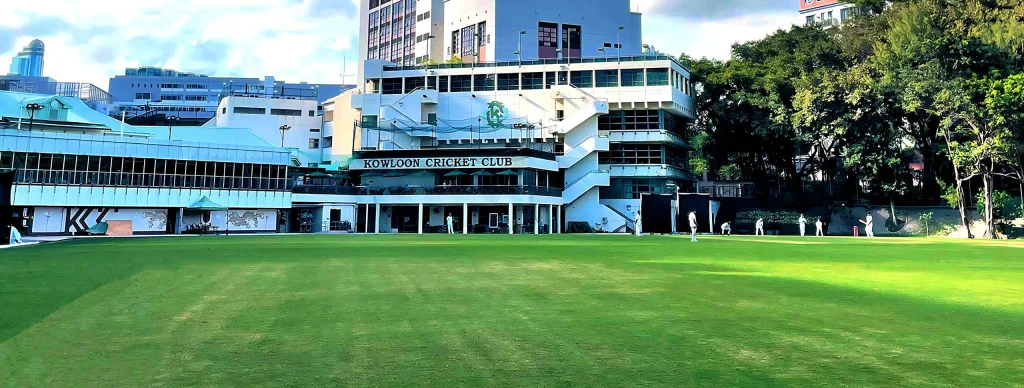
827, 12
410, 32
29, 61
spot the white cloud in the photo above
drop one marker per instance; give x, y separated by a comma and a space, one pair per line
711, 38
87, 41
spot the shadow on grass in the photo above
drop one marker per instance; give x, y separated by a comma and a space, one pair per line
33, 285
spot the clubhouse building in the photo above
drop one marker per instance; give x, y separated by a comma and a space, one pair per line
568, 140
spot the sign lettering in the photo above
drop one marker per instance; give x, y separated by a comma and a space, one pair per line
439, 163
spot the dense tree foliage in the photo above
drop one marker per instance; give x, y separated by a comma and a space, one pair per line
907, 103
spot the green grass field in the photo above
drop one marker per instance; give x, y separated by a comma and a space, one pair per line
512, 311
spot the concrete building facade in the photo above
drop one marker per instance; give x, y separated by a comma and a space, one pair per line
195, 97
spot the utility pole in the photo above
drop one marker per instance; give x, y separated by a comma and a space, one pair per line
32, 108
170, 125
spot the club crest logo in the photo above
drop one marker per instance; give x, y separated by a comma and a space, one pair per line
495, 114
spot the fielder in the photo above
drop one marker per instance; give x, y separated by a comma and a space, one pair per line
726, 229
820, 231
451, 224
759, 227
693, 226
803, 225
638, 224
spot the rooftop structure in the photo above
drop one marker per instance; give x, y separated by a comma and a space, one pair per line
29, 61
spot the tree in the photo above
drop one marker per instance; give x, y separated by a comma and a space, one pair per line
454, 60
925, 217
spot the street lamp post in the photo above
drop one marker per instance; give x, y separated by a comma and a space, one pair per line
284, 128
618, 43
170, 126
427, 62
604, 53
32, 108
520, 51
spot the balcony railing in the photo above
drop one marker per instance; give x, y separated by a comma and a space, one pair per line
431, 190
550, 61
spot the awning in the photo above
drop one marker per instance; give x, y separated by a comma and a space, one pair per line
508, 173
483, 173
456, 173
319, 174
206, 204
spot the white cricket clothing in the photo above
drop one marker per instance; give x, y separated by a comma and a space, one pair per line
638, 225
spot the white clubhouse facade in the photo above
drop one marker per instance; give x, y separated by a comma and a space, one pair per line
542, 142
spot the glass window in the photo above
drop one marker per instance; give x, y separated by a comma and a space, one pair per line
462, 83
657, 77
249, 111
533, 81
391, 86
582, 79
483, 82
286, 112
632, 77
607, 78
413, 83
442, 85
508, 81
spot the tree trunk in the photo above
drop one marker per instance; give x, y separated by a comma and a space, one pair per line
961, 204
990, 225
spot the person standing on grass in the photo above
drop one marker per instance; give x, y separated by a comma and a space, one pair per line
726, 229
803, 225
818, 225
451, 224
638, 224
693, 226
869, 225
15, 236
759, 227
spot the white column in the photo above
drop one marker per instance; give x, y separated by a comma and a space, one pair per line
551, 219
465, 218
419, 218
537, 218
376, 221
561, 222
511, 219
366, 228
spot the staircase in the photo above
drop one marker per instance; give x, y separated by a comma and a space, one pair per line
628, 225
591, 180
580, 150
591, 107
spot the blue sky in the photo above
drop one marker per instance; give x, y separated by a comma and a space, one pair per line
299, 40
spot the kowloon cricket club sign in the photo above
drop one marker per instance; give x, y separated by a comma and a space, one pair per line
438, 163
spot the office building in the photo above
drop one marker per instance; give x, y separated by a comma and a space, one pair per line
154, 93
29, 61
